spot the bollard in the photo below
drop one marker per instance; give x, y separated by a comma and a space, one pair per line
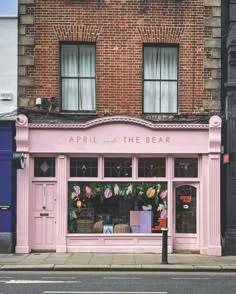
164, 259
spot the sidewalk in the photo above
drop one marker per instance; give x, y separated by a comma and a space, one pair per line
99, 261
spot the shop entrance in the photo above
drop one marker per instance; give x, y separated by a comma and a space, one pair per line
186, 216
44, 216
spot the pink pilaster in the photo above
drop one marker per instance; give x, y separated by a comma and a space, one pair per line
22, 228
61, 198
214, 238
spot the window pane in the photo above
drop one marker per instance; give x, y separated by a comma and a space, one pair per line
44, 167
151, 97
83, 167
186, 167
87, 61
186, 209
118, 167
169, 63
151, 167
70, 94
120, 207
151, 63
168, 97
69, 61
87, 94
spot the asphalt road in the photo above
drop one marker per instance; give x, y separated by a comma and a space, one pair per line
116, 283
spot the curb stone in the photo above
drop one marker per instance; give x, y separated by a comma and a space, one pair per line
20, 267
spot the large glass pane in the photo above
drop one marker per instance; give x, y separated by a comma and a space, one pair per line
69, 61
151, 63
186, 209
87, 61
117, 207
168, 97
169, 63
151, 97
87, 94
69, 94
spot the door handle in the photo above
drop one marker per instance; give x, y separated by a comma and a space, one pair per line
44, 214
44, 207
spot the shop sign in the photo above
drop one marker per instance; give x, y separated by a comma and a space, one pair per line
124, 140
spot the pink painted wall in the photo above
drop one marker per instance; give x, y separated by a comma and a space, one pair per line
123, 135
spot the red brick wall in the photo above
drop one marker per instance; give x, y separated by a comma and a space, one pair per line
119, 28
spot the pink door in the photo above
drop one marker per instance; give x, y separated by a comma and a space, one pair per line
44, 217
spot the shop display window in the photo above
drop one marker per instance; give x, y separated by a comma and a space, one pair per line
44, 167
83, 167
186, 167
117, 207
151, 167
118, 167
186, 209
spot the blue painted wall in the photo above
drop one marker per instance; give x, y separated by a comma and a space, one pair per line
7, 178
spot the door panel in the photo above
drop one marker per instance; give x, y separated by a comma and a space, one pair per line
186, 216
44, 203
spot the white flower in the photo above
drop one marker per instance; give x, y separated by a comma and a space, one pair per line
129, 189
116, 189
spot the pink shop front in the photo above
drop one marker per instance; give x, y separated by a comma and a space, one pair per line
112, 184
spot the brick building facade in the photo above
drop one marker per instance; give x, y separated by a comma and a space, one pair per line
119, 98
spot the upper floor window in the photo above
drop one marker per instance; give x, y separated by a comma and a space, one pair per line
78, 77
160, 79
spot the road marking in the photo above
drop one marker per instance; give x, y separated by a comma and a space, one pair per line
190, 278
38, 282
72, 278
100, 292
120, 278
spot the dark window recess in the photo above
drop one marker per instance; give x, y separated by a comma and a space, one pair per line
186, 209
186, 167
83, 167
44, 167
151, 167
118, 167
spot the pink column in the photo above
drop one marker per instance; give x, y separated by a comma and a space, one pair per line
23, 180
214, 237
61, 204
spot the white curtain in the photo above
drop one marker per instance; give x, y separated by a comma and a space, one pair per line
87, 75
78, 77
160, 79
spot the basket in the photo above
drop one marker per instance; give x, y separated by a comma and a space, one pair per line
122, 228
84, 226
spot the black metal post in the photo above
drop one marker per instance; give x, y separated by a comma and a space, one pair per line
164, 257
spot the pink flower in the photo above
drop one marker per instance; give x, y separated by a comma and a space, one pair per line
163, 194
88, 191
107, 193
163, 213
77, 190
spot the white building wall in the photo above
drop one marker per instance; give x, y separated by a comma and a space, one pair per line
8, 64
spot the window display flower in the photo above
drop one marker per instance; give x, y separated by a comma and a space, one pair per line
116, 189
107, 193
150, 192
163, 194
77, 190
88, 191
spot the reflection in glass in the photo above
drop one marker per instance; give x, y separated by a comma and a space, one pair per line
185, 209
186, 167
